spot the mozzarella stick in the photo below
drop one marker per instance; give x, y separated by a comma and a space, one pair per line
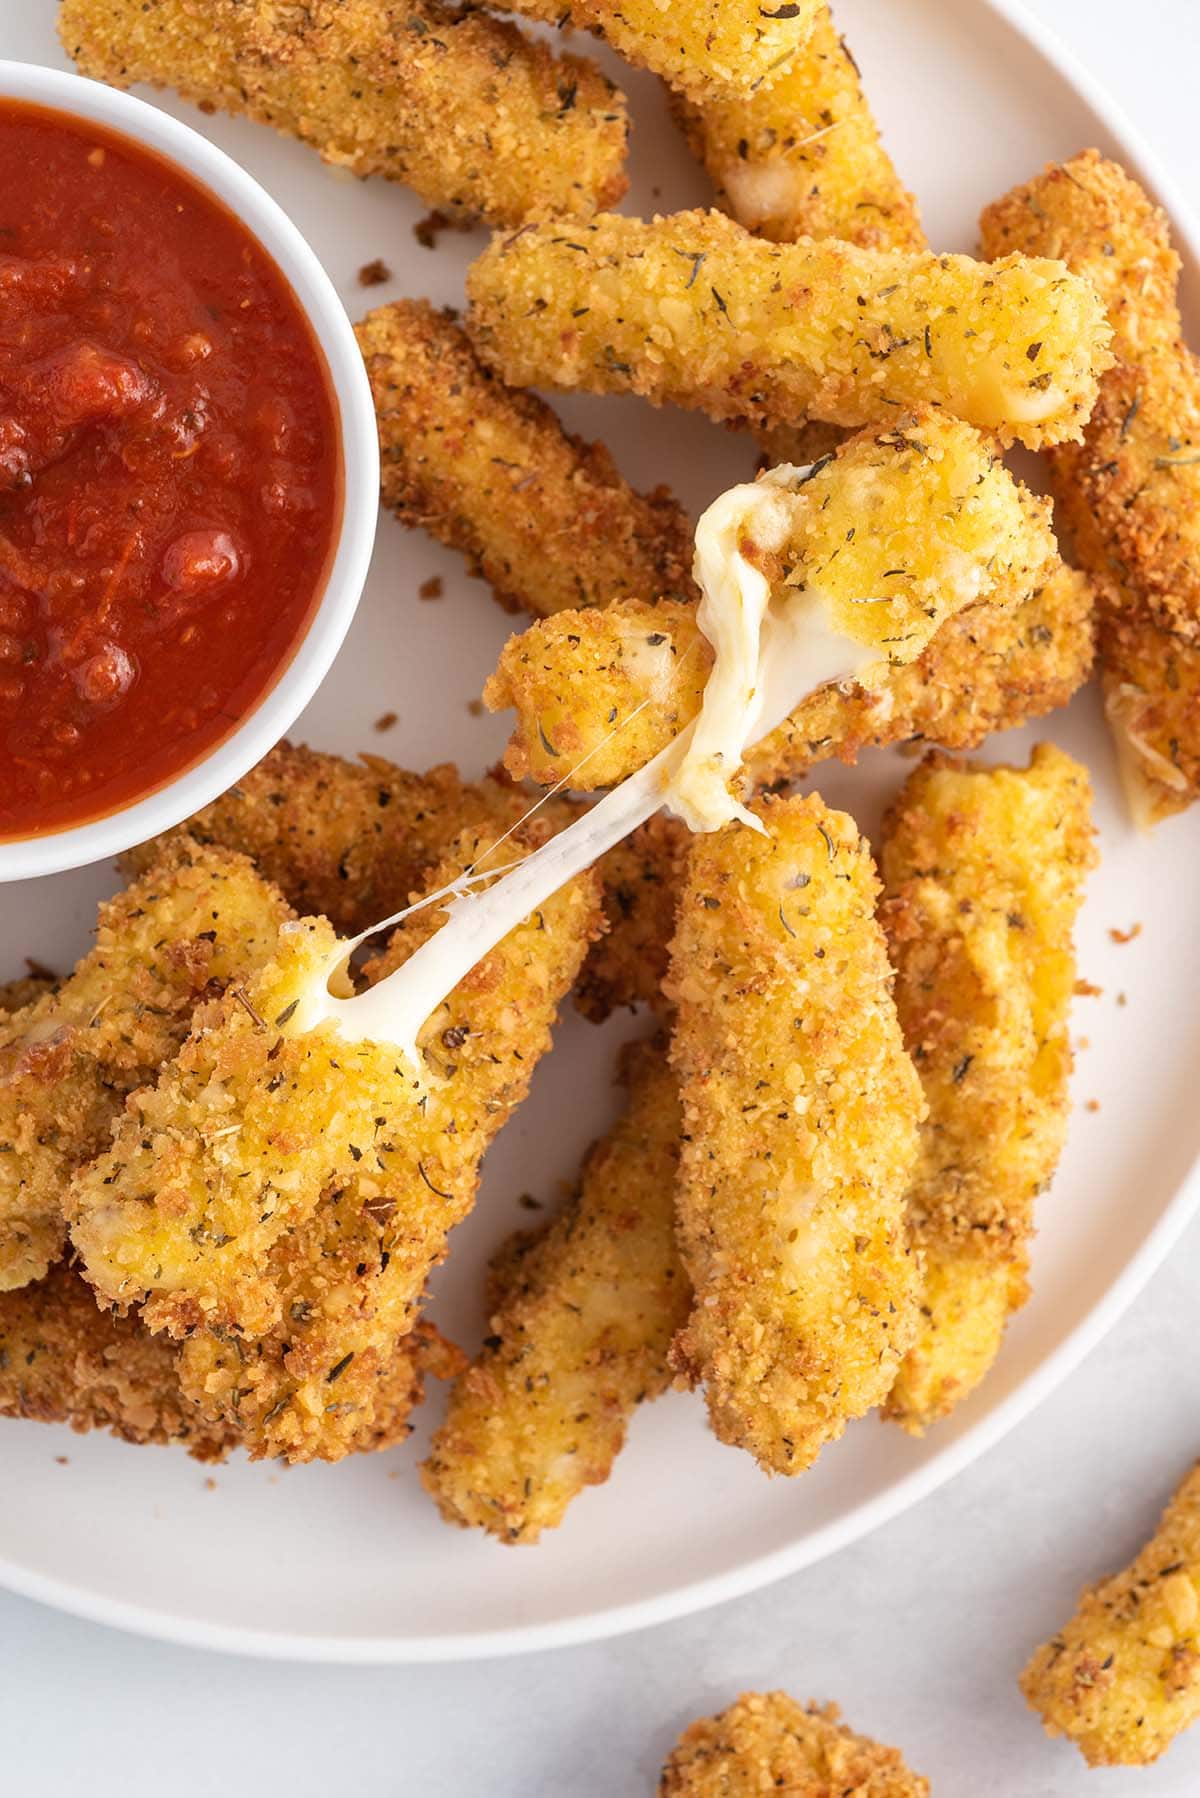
801, 156
65, 1360
490, 471
1130, 490
990, 668
766, 1742
583, 1312
1122, 1679
693, 310
196, 919
800, 1115
923, 513
478, 119
700, 47
259, 1115
983, 872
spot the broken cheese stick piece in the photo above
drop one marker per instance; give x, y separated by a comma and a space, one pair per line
766, 1742
922, 515
257, 1117
1122, 1678
692, 310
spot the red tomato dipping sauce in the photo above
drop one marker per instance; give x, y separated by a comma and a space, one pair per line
170, 471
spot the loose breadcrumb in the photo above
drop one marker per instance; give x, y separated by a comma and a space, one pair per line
801, 156
800, 1114
63, 1359
480, 120
700, 47
767, 1743
490, 471
922, 512
1122, 1679
196, 919
693, 310
583, 1311
1130, 490
983, 872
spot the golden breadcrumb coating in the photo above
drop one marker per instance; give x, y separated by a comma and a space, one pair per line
923, 513
990, 668
490, 471
480, 120
800, 1114
767, 1743
1130, 490
257, 1116
1122, 1679
700, 47
983, 872
63, 1359
693, 310
583, 1312
195, 920
642, 877
801, 156
350, 841
15, 995
342, 1370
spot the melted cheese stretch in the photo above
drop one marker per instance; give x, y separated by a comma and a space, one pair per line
758, 654
782, 623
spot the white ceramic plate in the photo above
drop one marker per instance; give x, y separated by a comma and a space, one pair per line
350, 1563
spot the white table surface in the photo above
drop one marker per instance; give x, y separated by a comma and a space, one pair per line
918, 1632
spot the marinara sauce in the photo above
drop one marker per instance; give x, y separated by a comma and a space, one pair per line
170, 475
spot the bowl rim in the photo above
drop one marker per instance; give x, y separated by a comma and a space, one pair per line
278, 707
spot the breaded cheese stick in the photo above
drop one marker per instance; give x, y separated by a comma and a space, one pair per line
583, 1311
766, 1742
348, 1280
800, 155
350, 841
990, 668
1122, 1679
490, 471
983, 872
693, 310
1130, 490
466, 109
800, 1114
922, 513
259, 1114
700, 47
63, 1359
195, 920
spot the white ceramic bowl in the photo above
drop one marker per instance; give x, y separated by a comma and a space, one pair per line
283, 702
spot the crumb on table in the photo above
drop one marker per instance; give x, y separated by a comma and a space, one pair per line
374, 274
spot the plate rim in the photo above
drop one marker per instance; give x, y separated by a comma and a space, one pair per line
860, 1520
